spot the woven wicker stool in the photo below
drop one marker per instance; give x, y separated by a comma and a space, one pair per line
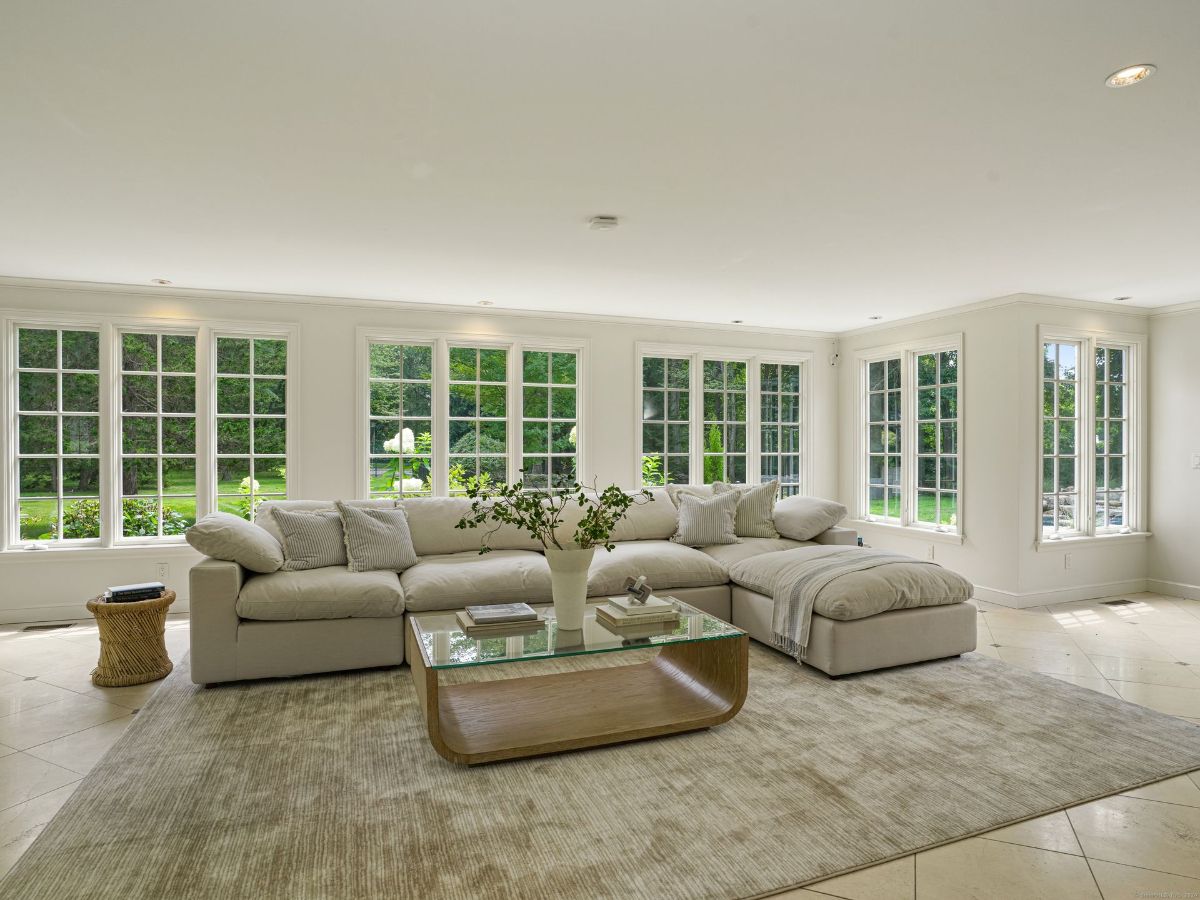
131, 641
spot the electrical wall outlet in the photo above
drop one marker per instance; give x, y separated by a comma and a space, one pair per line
929, 552
1066, 560
1196, 459
162, 570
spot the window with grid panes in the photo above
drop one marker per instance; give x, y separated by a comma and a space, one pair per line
1060, 438
884, 439
666, 420
401, 419
58, 434
478, 423
1112, 438
724, 389
549, 418
158, 433
779, 428
251, 423
936, 406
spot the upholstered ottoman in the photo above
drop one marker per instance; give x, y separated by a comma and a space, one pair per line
887, 613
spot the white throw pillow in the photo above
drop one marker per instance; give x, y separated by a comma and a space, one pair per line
377, 539
311, 540
755, 508
803, 518
706, 522
224, 536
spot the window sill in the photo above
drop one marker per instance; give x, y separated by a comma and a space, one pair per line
909, 531
1084, 540
174, 549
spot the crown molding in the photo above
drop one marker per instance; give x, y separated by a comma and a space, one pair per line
209, 295
998, 302
1176, 309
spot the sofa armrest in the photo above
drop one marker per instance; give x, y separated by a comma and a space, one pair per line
214, 588
838, 535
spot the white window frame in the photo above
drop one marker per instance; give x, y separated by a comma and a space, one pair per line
908, 352
1085, 441
441, 341
290, 378
752, 358
110, 329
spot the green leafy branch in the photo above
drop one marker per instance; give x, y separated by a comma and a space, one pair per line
540, 513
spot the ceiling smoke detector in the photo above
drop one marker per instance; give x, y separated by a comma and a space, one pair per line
603, 223
1121, 299
1130, 75
874, 318
485, 303
161, 281
736, 321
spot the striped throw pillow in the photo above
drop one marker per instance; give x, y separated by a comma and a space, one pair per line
377, 539
706, 522
311, 540
755, 509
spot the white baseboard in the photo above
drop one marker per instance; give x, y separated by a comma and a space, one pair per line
1061, 595
72, 612
1173, 588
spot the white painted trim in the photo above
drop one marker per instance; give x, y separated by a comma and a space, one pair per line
1136, 475
696, 353
441, 341
1065, 544
998, 303
907, 352
36, 615
1173, 588
1016, 600
912, 532
209, 295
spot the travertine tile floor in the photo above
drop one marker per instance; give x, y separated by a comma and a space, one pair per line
55, 725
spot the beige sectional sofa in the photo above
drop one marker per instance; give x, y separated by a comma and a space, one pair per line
246, 625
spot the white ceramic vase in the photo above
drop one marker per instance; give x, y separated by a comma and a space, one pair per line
568, 584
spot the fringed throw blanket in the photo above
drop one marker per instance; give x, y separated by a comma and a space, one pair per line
797, 586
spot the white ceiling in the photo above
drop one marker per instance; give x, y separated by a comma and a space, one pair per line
800, 163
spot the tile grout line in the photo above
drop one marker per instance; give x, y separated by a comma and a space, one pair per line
74, 781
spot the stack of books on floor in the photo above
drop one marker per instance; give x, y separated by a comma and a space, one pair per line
500, 620
658, 615
131, 593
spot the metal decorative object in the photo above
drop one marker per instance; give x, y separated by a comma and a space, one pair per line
638, 589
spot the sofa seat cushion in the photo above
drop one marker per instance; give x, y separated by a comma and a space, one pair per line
455, 580
664, 563
728, 554
857, 595
332, 592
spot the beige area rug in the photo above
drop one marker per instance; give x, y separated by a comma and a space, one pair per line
326, 787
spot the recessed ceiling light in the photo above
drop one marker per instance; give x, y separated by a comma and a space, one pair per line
874, 318
1121, 299
603, 223
736, 321
1130, 75
160, 281
484, 303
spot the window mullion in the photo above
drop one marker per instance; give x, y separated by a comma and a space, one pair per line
908, 446
515, 404
110, 435
696, 418
1086, 440
441, 418
753, 422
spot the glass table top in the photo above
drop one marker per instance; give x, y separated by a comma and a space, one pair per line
446, 646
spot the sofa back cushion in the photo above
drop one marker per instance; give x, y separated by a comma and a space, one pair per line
223, 536
265, 515
432, 521
653, 521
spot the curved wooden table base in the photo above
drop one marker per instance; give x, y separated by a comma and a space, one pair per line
685, 688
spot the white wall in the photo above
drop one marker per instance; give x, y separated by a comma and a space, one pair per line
1175, 486
48, 584
1000, 464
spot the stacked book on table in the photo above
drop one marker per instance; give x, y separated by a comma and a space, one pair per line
500, 620
626, 616
132, 593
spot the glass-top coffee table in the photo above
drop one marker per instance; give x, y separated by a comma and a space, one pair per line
698, 679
